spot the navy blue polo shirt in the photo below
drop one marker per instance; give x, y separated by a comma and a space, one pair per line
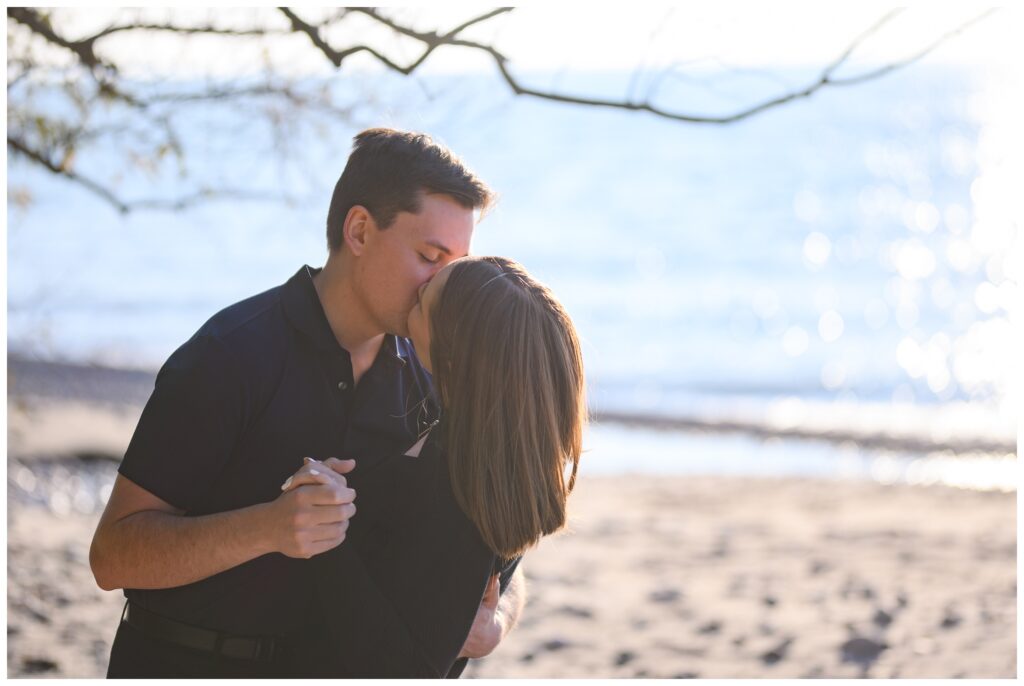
261, 385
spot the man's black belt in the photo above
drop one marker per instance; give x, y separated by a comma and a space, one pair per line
263, 648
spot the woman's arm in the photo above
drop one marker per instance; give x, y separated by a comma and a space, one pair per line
496, 616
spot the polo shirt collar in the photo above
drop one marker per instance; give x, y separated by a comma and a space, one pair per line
305, 312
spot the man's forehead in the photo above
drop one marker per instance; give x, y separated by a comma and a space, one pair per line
444, 209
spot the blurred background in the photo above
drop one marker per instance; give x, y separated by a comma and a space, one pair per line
790, 243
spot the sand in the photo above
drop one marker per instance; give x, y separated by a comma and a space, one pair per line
727, 577
710, 577
666, 577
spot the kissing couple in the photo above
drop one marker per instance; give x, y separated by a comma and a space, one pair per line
339, 477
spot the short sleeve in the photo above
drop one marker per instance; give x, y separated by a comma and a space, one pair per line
190, 424
505, 572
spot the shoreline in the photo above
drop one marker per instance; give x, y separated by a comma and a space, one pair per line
37, 382
836, 435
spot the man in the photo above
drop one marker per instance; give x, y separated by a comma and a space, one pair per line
212, 555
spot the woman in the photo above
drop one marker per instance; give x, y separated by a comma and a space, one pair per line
476, 490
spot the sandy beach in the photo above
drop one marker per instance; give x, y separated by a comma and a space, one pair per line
708, 577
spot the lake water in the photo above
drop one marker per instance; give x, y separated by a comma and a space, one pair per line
853, 256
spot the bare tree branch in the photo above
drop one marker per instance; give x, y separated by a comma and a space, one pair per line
126, 206
38, 24
188, 30
824, 80
483, 17
314, 35
856, 42
150, 131
62, 170
433, 40
82, 49
52, 140
882, 71
224, 93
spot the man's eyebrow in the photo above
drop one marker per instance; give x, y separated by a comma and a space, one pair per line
439, 246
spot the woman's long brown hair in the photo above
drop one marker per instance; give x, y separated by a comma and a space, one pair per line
509, 371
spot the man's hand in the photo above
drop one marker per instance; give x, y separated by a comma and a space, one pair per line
312, 514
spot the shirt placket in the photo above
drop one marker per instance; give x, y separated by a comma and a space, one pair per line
341, 389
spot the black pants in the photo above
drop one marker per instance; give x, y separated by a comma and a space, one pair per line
137, 656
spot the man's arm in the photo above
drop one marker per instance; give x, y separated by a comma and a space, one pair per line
496, 616
144, 542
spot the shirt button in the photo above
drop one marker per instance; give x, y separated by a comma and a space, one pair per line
342, 385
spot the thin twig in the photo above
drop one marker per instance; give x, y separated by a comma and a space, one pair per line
874, 28
433, 40
881, 71
126, 206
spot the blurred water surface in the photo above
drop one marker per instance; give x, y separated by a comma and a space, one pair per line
849, 259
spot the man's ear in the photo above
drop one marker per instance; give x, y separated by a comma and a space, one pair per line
358, 223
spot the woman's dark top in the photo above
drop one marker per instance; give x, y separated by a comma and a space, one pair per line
402, 591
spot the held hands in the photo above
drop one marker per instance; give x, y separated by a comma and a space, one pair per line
312, 514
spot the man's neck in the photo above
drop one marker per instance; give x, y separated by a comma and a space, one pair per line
351, 325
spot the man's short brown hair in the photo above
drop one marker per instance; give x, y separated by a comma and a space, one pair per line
387, 173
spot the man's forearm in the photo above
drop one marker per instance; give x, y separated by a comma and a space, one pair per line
153, 549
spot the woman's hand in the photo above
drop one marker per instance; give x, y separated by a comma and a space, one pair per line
488, 626
311, 515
